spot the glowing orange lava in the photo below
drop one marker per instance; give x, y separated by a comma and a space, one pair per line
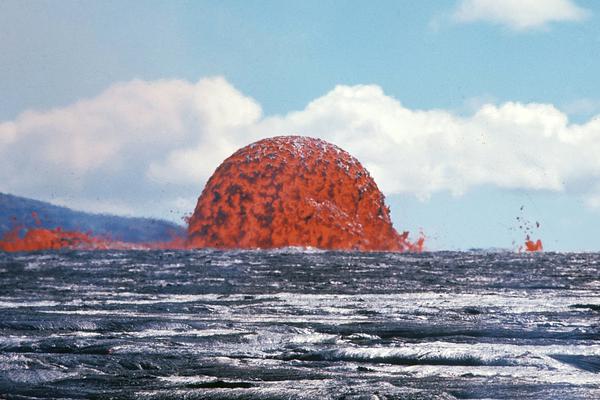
294, 191
528, 229
532, 246
37, 239
47, 239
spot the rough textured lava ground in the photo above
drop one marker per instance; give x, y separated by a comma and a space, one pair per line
293, 191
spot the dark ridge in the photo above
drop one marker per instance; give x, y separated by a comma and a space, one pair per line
220, 385
593, 307
18, 210
586, 363
60, 346
423, 331
472, 310
335, 355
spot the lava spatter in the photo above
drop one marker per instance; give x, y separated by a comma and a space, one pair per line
294, 191
528, 228
532, 246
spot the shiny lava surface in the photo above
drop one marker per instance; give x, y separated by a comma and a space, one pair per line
293, 324
293, 191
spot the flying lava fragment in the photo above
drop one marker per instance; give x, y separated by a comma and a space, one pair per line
294, 191
527, 227
532, 246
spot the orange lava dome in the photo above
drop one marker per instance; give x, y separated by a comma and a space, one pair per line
294, 191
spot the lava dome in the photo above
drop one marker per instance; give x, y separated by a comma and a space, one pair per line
293, 191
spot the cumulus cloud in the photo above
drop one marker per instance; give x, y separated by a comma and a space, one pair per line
106, 148
148, 147
519, 14
512, 145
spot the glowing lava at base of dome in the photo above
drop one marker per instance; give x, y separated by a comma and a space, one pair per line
38, 239
21, 238
294, 191
44, 239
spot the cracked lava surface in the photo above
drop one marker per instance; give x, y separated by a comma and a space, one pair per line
294, 191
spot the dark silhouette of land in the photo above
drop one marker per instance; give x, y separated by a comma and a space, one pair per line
25, 212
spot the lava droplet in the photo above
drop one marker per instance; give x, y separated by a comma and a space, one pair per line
532, 246
294, 191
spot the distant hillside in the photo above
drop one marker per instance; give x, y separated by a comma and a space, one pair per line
14, 209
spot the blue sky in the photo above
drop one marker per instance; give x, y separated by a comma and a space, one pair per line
448, 59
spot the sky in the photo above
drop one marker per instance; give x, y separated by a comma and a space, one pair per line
469, 114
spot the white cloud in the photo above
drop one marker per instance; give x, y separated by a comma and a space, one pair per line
149, 147
519, 14
105, 148
513, 145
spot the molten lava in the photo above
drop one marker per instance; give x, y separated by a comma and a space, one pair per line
48, 239
532, 246
294, 191
528, 229
37, 239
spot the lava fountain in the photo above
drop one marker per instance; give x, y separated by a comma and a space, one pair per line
294, 191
